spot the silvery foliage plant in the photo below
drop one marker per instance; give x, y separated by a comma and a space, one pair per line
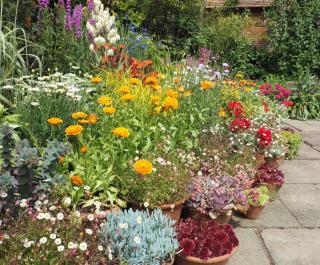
139, 237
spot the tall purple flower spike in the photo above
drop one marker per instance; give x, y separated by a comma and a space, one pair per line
90, 5
43, 4
76, 20
61, 3
68, 23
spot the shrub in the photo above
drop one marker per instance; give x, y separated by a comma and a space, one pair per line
139, 237
295, 35
292, 141
270, 176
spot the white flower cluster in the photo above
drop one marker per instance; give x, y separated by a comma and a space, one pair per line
101, 26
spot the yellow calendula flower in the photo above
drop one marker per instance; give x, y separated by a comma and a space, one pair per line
181, 88
127, 97
124, 90
121, 132
104, 100
109, 110
134, 81
156, 88
170, 103
222, 112
96, 80
247, 89
143, 167
206, 84
83, 149
172, 93
73, 130
79, 115
162, 76
155, 99
82, 122
92, 118
176, 80
55, 121
157, 110
151, 81
187, 93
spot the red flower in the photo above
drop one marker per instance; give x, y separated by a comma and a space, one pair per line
288, 103
265, 106
187, 245
238, 124
264, 136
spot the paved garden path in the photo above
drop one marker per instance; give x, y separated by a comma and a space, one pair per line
288, 231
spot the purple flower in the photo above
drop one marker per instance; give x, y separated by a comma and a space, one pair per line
68, 23
43, 4
61, 3
90, 5
76, 19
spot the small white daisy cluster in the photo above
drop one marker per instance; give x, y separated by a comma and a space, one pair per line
101, 26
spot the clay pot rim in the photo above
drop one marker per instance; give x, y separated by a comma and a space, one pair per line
267, 184
211, 260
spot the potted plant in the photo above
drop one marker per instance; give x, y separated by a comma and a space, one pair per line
139, 237
205, 242
214, 197
272, 178
264, 138
292, 141
257, 199
161, 184
275, 155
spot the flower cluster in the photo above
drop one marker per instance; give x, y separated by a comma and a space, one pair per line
264, 137
277, 92
205, 239
257, 196
270, 176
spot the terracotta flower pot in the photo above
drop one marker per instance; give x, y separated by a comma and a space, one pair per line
273, 162
222, 260
273, 190
222, 218
171, 210
254, 212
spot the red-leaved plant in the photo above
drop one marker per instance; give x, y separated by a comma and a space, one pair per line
205, 239
270, 176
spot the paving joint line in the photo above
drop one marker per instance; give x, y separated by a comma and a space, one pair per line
293, 215
264, 246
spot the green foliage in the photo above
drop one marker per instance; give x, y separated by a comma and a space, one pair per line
292, 141
127, 10
140, 237
7, 144
257, 196
295, 35
15, 56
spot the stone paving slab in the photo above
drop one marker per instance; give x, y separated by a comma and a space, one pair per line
292, 246
275, 214
301, 171
303, 201
250, 249
305, 126
312, 139
307, 152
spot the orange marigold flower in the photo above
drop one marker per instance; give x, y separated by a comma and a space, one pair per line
172, 93
96, 80
55, 121
143, 167
134, 81
83, 149
176, 80
206, 84
151, 81
77, 180
127, 97
61, 159
247, 89
73, 130
79, 115
83, 122
124, 89
181, 88
92, 118
155, 100
121, 132
109, 110
170, 103
104, 100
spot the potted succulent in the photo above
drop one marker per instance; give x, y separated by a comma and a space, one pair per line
275, 155
205, 242
214, 197
139, 237
272, 178
257, 199
160, 184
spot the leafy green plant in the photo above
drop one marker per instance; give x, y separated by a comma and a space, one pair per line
140, 237
292, 141
295, 35
257, 196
